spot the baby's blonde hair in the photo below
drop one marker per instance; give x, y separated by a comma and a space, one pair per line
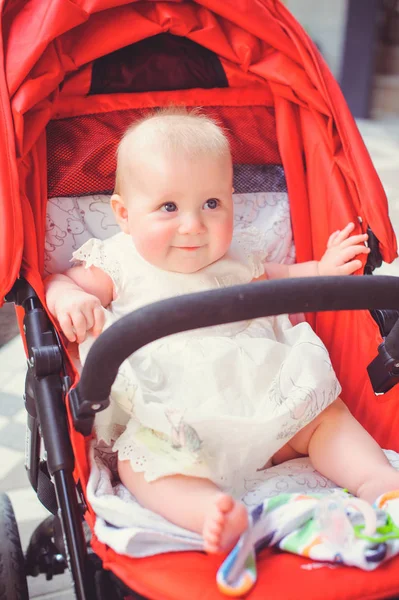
173, 130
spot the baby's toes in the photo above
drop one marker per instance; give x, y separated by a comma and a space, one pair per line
211, 534
225, 504
211, 543
215, 523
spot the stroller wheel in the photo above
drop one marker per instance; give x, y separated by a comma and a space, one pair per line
13, 584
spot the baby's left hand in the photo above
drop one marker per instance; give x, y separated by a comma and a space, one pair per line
341, 251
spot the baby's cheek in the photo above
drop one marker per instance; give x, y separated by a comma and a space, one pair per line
153, 241
223, 235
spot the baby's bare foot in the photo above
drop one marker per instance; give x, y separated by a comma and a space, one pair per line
226, 521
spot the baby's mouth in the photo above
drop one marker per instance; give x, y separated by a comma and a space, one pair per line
188, 248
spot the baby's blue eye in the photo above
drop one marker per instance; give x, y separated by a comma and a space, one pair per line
211, 204
169, 207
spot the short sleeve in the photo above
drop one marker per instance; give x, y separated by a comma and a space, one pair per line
251, 246
98, 253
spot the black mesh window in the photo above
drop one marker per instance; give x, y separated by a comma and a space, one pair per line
160, 63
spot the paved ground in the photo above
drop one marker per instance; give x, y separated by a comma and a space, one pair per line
382, 139
8, 324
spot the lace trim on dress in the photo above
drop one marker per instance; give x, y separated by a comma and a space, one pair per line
142, 461
156, 455
93, 253
252, 243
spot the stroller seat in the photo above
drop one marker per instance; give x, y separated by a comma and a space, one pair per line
73, 77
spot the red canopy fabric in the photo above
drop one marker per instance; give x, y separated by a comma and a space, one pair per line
329, 174
47, 53
44, 43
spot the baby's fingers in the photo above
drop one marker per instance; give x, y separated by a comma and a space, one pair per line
99, 320
88, 315
66, 325
332, 238
80, 326
355, 239
340, 236
347, 254
349, 267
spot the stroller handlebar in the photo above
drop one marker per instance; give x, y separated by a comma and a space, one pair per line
218, 307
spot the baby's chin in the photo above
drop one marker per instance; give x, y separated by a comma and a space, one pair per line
190, 266
185, 267
184, 261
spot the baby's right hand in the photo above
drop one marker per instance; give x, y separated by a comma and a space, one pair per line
77, 312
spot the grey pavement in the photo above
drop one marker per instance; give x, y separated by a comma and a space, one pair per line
382, 140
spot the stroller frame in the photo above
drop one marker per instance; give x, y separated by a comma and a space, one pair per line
60, 541
49, 61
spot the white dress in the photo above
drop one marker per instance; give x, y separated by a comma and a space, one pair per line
215, 402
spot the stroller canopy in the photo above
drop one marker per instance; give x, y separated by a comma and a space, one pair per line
67, 63
48, 52
67, 59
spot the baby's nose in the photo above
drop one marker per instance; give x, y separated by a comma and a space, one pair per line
191, 223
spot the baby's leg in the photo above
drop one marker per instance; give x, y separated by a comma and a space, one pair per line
190, 502
343, 451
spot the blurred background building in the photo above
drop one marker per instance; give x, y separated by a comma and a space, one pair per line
359, 40
325, 22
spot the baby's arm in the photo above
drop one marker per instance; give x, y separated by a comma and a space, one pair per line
339, 258
75, 298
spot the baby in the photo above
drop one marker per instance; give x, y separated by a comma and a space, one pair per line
206, 409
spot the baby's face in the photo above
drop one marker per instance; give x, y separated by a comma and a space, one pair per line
180, 210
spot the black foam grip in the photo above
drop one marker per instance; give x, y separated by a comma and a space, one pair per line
392, 342
226, 305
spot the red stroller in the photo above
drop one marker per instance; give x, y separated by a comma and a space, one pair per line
74, 75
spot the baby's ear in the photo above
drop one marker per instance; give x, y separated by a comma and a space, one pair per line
232, 190
120, 211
